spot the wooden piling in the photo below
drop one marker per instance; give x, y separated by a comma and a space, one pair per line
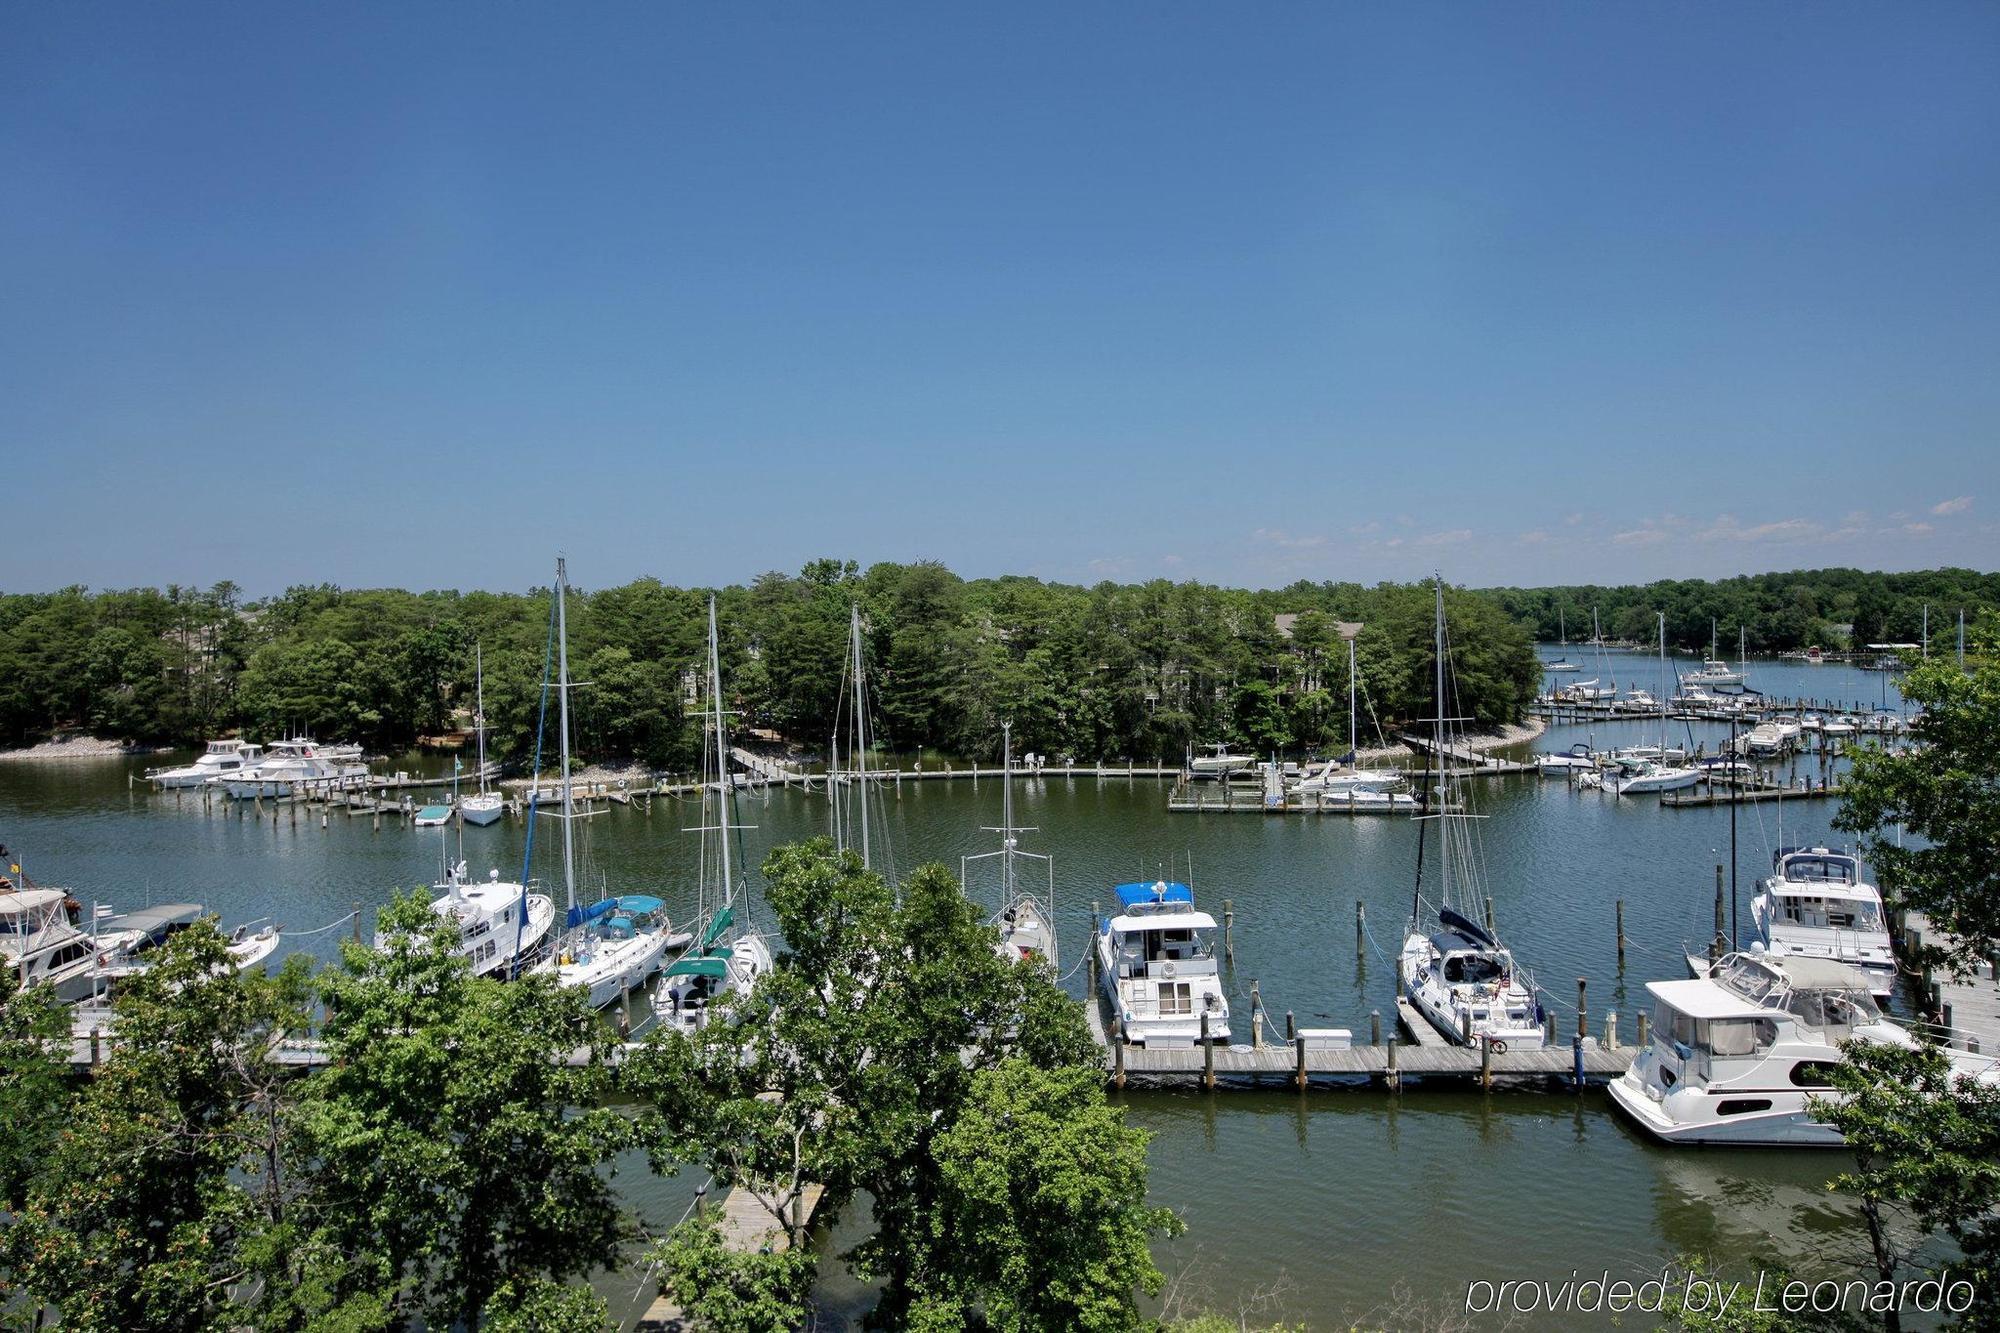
625, 1014
357, 923
1611, 1030
1374, 1027
1117, 1052
1645, 1022
1489, 914
1548, 1027
1256, 1017
1486, 1063
1228, 931
1393, 1078
1207, 1055
1621, 932
1582, 1012
1721, 919
1360, 929
1291, 1030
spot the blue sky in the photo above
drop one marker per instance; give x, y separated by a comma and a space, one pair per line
417, 294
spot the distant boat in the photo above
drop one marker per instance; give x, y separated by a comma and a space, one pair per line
1026, 922
486, 806
1219, 761
221, 758
288, 764
1655, 774
1557, 667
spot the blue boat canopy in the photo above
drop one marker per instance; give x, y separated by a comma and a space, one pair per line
1157, 891
639, 903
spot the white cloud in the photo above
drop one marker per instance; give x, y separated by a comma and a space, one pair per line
1639, 537
1288, 541
1571, 520
1956, 505
1535, 538
1368, 529
1455, 537
1918, 529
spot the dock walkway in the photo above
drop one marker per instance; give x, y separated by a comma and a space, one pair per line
1968, 1011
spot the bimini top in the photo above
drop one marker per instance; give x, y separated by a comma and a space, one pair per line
1155, 894
1701, 998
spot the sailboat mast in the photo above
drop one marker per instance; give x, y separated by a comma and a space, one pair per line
1353, 742
479, 690
860, 733
1007, 808
1663, 687
721, 754
562, 700
1444, 787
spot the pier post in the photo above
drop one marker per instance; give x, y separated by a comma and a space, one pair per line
1299, 1062
1360, 930
96, 1035
1486, 1063
1944, 1011
1576, 1060
1465, 1025
625, 1014
1256, 1017
1611, 1030
1117, 1052
1645, 1023
1621, 932
1582, 1012
1489, 914
357, 923
1548, 1027
1291, 1028
1229, 931
1394, 1078
1374, 1027
1207, 1055
1096, 919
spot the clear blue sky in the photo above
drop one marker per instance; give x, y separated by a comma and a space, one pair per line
417, 294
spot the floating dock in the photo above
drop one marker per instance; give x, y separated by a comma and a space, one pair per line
1749, 795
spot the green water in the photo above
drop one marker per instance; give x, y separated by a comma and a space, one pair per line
1330, 1205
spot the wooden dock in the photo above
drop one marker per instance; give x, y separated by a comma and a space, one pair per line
1429, 1059
1967, 1012
747, 1227
1741, 795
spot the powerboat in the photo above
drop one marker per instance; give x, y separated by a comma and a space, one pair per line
1579, 759
1648, 777
1816, 905
431, 816
499, 922
41, 944
1738, 1055
218, 760
1156, 958
1219, 762
1765, 739
287, 764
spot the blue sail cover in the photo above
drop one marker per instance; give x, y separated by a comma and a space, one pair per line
576, 916
1138, 895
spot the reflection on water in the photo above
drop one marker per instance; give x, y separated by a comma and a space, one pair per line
1335, 1195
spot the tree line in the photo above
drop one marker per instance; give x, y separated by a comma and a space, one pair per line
1144, 670
1835, 609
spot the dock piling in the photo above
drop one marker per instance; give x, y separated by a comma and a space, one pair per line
1360, 929
1576, 1060
1486, 1063
1611, 1029
1393, 1078
357, 923
1291, 1029
1621, 932
1645, 1022
1299, 1060
1256, 1017
1374, 1027
1207, 1055
1228, 931
1582, 1012
1117, 1052
1489, 914
1465, 1025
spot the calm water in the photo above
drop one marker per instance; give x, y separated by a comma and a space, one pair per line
1339, 1202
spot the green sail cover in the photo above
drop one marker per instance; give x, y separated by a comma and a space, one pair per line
716, 927
700, 967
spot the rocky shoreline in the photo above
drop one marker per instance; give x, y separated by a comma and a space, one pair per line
77, 747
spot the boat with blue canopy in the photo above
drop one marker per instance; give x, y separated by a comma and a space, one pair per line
1156, 961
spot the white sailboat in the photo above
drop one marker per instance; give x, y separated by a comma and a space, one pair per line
617, 942
728, 958
1460, 977
1662, 770
1714, 671
1561, 664
486, 806
1026, 923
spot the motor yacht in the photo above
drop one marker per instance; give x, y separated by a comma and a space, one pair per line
1578, 759
288, 764
218, 760
1156, 958
499, 922
1816, 905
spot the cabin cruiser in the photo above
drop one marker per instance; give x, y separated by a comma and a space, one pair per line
612, 946
1333, 783
1815, 905
1736, 1055
1643, 777
498, 922
1641, 698
1157, 962
1218, 762
40, 942
1765, 739
1579, 759
1466, 985
289, 763
221, 758
1836, 728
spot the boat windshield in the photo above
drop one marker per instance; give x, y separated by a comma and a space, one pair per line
1820, 870
1833, 1008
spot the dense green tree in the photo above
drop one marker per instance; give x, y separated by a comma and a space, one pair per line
862, 1049
1929, 816
470, 1149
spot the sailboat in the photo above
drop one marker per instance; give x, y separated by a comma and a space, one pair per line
728, 959
1561, 664
1026, 923
487, 806
617, 942
1460, 977
1645, 770
1592, 691
1714, 671
1341, 781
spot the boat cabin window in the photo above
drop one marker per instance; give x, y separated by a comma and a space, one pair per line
1833, 1008
1820, 870
1170, 945
1833, 913
1472, 969
1812, 1074
1736, 1036
1176, 997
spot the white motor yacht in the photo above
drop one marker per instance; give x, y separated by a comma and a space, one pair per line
1579, 759
1816, 905
499, 922
287, 764
1765, 739
220, 759
1648, 777
41, 944
1156, 958
1737, 1055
